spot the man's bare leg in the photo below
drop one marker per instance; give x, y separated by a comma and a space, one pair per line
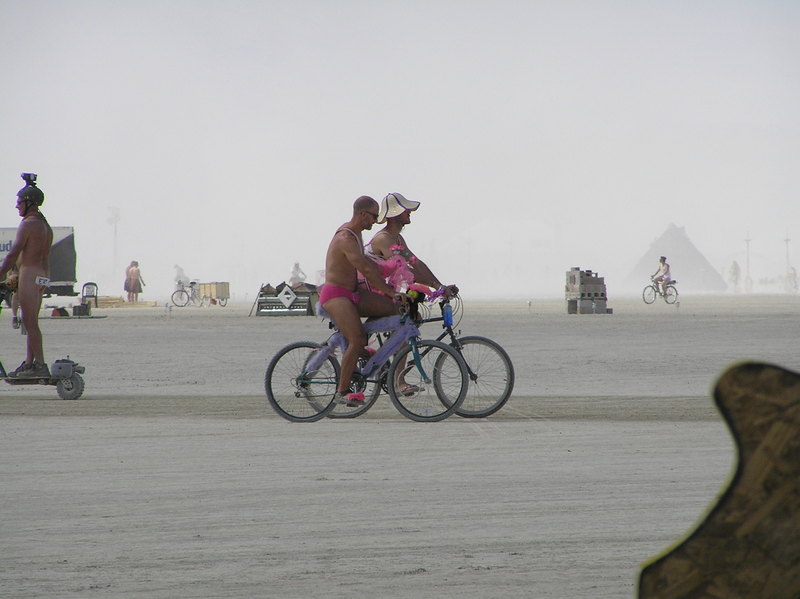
30, 302
345, 314
376, 305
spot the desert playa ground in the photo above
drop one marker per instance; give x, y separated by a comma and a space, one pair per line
172, 477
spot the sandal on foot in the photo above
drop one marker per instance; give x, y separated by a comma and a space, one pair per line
408, 390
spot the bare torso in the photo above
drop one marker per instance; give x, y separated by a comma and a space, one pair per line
383, 242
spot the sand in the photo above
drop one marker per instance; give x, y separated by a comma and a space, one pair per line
172, 477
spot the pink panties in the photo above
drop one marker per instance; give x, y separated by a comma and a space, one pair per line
329, 292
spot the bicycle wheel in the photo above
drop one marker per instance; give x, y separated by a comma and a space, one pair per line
180, 298
292, 391
491, 376
437, 397
222, 302
671, 295
649, 294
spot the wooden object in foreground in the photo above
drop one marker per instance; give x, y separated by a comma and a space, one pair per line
748, 545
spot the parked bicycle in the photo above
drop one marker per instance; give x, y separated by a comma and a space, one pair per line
426, 380
653, 291
187, 293
489, 367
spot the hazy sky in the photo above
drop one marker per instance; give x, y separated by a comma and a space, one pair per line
232, 137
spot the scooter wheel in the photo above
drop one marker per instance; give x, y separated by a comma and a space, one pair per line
70, 388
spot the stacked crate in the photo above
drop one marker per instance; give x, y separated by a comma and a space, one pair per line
217, 290
585, 292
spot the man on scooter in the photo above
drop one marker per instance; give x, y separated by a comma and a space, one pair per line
31, 252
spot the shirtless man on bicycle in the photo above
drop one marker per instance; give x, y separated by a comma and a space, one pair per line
396, 212
31, 252
345, 300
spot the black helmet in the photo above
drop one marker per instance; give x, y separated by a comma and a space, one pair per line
31, 193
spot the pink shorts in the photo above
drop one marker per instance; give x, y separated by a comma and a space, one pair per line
329, 292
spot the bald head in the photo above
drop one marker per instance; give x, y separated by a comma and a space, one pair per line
364, 204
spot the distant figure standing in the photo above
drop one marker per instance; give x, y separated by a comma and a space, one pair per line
133, 281
735, 274
181, 280
298, 276
31, 252
662, 276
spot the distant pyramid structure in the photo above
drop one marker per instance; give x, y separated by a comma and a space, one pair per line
688, 266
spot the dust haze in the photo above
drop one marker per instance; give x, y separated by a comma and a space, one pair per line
232, 138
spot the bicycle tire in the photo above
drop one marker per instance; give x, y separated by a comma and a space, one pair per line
491, 376
440, 396
649, 294
180, 298
222, 302
296, 395
670, 294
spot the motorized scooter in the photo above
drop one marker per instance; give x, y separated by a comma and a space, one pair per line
65, 374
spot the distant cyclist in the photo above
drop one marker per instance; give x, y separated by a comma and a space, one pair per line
662, 276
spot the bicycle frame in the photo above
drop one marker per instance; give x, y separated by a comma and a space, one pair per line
401, 330
448, 331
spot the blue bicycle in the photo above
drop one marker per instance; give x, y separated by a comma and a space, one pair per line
427, 380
